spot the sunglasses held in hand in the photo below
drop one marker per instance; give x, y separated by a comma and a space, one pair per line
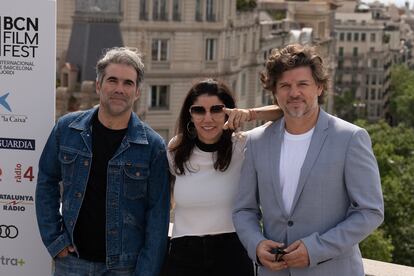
278, 252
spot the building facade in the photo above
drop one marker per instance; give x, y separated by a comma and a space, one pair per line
364, 60
183, 41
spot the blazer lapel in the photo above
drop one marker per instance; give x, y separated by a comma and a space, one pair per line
274, 145
317, 141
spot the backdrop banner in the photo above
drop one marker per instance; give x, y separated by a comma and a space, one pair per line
27, 112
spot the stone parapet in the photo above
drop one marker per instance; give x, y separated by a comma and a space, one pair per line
377, 268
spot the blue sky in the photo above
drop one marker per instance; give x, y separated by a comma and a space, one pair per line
399, 3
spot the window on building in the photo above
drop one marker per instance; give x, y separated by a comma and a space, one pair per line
372, 37
340, 64
373, 79
355, 51
159, 50
176, 15
143, 9
341, 36
267, 98
374, 63
321, 29
354, 78
234, 85
210, 49
341, 51
379, 95
244, 43
363, 37
373, 92
237, 46
227, 47
210, 10
356, 36
371, 110
159, 98
366, 93
355, 66
198, 11
254, 42
159, 10
163, 133
367, 82
243, 85
349, 36
339, 79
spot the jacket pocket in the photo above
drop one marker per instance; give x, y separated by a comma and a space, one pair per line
135, 180
67, 160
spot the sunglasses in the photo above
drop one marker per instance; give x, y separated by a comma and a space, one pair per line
198, 112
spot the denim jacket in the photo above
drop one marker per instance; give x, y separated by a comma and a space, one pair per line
137, 203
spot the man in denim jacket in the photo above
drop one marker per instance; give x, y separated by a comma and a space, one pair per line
109, 171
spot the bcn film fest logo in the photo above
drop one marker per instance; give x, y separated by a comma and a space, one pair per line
19, 36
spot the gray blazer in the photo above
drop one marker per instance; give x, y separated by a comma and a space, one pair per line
337, 204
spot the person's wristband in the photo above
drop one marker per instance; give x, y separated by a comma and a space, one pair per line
253, 114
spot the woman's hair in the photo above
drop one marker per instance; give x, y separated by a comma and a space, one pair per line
291, 57
185, 130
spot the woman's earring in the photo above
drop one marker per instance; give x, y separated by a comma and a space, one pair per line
191, 130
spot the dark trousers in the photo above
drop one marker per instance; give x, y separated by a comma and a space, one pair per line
215, 255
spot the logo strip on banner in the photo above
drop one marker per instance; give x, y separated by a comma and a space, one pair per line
11, 261
27, 53
10, 118
8, 231
4, 103
15, 202
1, 34
17, 144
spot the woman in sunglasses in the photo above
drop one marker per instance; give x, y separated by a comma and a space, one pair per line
206, 161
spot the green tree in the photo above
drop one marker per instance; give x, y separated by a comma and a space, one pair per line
394, 150
377, 247
345, 106
246, 5
402, 99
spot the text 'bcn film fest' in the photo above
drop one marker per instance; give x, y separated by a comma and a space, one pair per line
27, 110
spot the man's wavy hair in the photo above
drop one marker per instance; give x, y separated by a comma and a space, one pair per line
291, 57
183, 148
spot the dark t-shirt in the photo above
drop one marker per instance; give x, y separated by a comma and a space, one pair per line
89, 234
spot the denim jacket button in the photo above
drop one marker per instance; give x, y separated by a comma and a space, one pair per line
86, 163
71, 223
78, 194
137, 174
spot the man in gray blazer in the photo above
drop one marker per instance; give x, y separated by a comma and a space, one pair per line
310, 181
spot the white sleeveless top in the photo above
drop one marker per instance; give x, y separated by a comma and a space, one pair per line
204, 198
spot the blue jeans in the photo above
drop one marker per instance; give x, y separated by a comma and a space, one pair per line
73, 266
